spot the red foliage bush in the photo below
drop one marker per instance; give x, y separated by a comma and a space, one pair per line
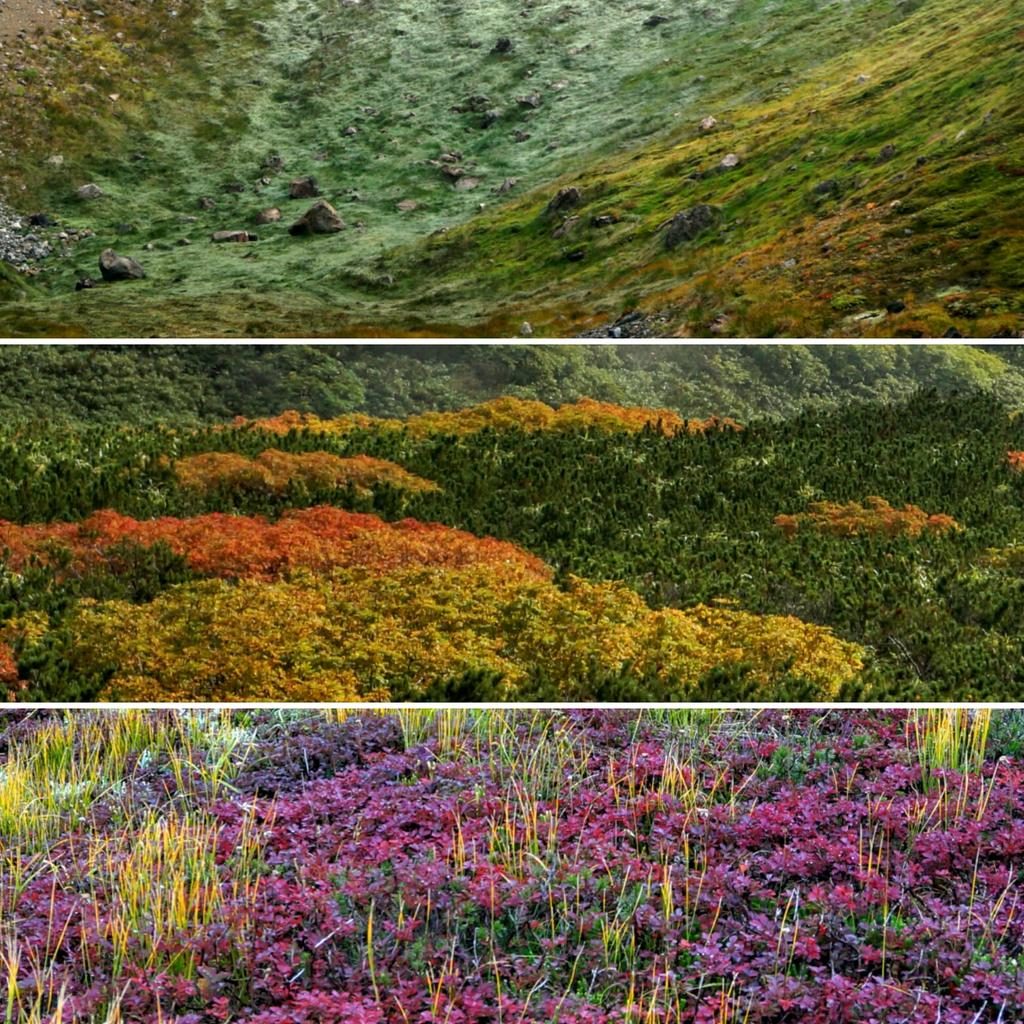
319, 538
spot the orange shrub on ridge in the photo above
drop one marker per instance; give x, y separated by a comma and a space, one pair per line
318, 539
274, 470
874, 516
1016, 460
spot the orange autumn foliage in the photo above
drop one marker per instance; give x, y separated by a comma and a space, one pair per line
8, 665
1016, 460
874, 516
503, 414
274, 470
318, 539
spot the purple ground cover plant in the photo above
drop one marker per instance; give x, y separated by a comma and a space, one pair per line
584, 867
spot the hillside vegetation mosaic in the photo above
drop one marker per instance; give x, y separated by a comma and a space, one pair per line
479, 867
515, 550
669, 168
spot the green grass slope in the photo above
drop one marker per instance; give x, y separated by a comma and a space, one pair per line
163, 108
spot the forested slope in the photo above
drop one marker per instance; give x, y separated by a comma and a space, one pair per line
185, 385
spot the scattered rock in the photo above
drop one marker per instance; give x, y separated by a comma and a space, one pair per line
233, 236
655, 20
886, 154
505, 187
898, 306
84, 283
119, 268
686, 225
273, 163
89, 191
20, 249
566, 199
526, 329
319, 219
490, 118
351, 131
41, 220
566, 227
408, 205
503, 45
303, 188
520, 136
271, 215
828, 189
633, 324
466, 184
452, 173
730, 162
533, 101
206, 203
604, 220
709, 124
576, 255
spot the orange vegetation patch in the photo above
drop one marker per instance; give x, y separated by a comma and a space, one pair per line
274, 470
875, 516
504, 414
1016, 460
8, 665
317, 539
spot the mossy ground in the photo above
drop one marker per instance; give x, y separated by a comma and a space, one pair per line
804, 91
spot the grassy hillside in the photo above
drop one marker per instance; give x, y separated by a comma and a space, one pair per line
819, 227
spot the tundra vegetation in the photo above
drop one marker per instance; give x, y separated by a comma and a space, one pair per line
478, 866
693, 168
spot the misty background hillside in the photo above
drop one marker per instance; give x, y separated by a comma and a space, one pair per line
692, 168
179, 385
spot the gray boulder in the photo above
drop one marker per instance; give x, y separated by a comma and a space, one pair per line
320, 219
303, 188
119, 268
566, 199
233, 236
686, 225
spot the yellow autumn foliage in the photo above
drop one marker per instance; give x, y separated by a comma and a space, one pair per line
351, 635
274, 471
505, 413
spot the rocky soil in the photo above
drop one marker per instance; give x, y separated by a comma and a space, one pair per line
23, 17
20, 245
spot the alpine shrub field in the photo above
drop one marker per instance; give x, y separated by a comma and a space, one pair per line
516, 551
